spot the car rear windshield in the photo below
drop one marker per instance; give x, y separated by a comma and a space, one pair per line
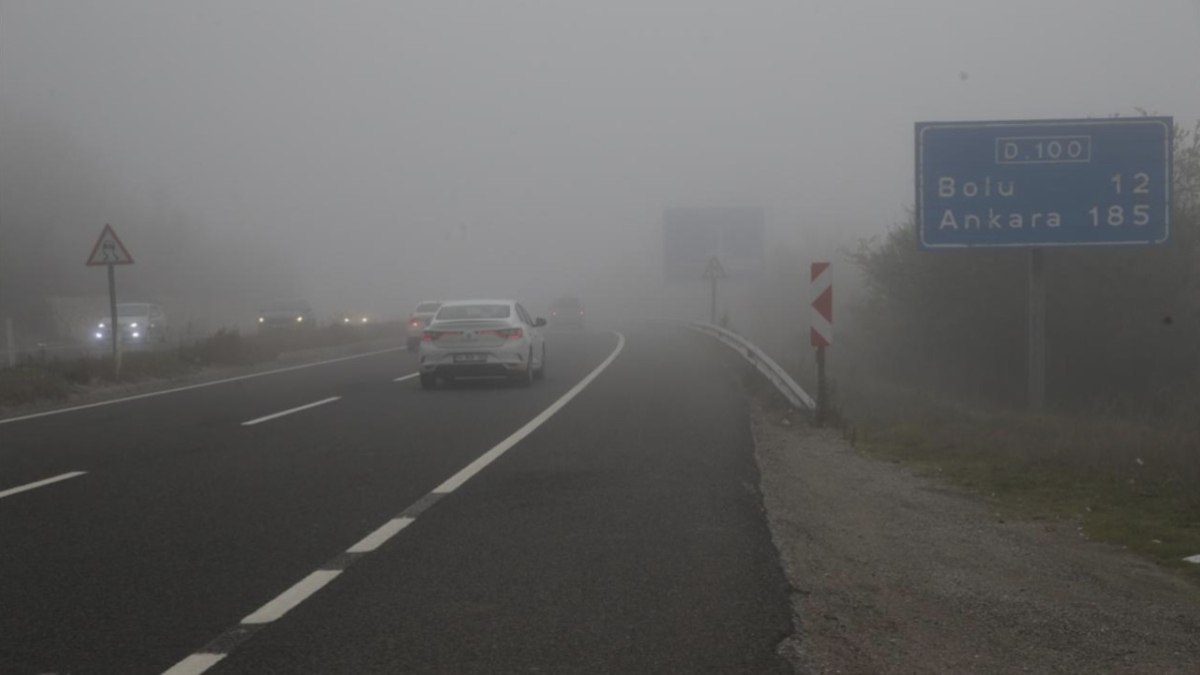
474, 312
428, 307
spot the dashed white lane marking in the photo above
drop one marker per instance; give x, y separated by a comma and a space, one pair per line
405, 377
452, 483
37, 484
195, 664
289, 411
226, 642
292, 597
196, 386
378, 537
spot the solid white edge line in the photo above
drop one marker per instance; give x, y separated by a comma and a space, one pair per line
37, 484
293, 596
289, 411
405, 377
200, 385
378, 537
454, 482
195, 664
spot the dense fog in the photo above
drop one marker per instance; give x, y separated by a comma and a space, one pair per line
368, 155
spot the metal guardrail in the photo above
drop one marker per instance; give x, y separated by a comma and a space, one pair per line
757, 357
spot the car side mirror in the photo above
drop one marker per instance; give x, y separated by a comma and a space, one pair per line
539, 322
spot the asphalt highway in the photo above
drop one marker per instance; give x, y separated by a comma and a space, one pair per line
336, 518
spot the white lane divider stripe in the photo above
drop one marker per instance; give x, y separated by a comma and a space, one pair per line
405, 377
293, 596
37, 484
454, 482
195, 664
306, 406
225, 643
378, 537
197, 386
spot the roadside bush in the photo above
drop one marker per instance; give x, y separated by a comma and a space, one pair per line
1121, 323
31, 383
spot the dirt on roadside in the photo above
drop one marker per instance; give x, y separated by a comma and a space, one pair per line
895, 573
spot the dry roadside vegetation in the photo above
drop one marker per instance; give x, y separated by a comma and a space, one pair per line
36, 381
928, 369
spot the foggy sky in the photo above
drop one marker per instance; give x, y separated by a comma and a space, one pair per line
427, 148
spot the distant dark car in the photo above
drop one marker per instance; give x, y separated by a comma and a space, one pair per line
286, 315
418, 320
566, 312
138, 322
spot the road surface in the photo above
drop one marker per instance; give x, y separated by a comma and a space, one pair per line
330, 519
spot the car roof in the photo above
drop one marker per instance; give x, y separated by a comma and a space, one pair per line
460, 303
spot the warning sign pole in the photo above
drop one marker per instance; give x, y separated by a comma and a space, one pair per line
113, 327
110, 252
713, 271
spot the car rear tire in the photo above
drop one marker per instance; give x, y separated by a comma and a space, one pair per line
525, 377
428, 381
540, 373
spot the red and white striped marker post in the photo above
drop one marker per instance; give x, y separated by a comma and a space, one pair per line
821, 327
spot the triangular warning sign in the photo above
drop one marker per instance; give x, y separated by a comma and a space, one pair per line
714, 270
109, 250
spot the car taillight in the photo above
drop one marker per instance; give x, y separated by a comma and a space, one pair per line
429, 336
414, 323
510, 333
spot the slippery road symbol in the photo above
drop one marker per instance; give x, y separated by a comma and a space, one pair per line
109, 250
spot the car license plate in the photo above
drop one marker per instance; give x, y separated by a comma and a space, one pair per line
470, 358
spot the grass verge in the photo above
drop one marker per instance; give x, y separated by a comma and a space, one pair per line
57, 379
1129, 483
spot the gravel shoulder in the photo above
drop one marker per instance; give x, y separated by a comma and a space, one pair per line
895, 573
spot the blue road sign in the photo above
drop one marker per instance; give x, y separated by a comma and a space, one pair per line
736, 236
1044, 183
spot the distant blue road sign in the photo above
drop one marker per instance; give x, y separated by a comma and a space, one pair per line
1044, 183
692, 237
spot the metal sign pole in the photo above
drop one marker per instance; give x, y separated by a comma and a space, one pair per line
1037, 331
113, 327
712, 302
822, 398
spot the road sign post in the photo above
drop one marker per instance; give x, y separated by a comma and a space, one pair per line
1037, 332
712, 272
821, 329
1043, 183
110, 252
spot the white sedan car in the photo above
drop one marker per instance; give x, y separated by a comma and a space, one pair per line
482, 338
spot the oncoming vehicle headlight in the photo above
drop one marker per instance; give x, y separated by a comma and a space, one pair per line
133, 325
136, 335
299, 319
364, 319
99, 336
261, 319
